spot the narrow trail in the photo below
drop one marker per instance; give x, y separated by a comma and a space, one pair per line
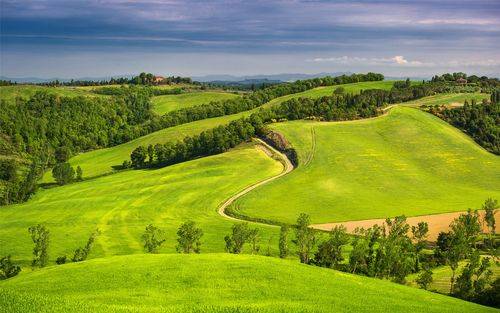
313, 147
287, 168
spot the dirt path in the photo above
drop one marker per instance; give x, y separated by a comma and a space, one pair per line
288, 167
437, 223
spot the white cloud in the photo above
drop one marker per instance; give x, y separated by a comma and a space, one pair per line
397, 60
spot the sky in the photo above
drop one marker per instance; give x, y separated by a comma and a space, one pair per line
74, 38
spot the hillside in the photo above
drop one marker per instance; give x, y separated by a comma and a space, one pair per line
454, 99
167, 103
212, 283
406, 162
10, 93
99, 162
123, 204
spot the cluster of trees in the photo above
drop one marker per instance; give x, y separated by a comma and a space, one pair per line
141, 79
217, 140
188, 238
126, 89
240, 234
480, 121
484, 83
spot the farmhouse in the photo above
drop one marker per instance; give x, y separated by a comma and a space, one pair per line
158, 79
462, 81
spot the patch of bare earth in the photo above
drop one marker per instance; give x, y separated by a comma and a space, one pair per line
437, 223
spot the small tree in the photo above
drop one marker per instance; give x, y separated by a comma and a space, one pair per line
254, 238
419, 234
424, 279
189, 238
40, 236
474, 278
62, 154
151, 154
304, 238
81, 254
79, 173
7, 268
61, 260
238, 237
63, 173
283, 245
490, 208
138, 157
330, 251
153, 238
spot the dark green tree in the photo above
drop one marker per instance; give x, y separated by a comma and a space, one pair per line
283, 244
305, 238
7, 268
188, 238
81, 254
62, 154
138, 157
424, 279
153, 238
79, 173
239, 236
419, 235
490, 208
63, 173
329, 252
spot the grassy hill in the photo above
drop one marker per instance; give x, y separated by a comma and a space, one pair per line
167, 103
10, 93
449, 99
99, 162
407, 162
123, 204
212, 283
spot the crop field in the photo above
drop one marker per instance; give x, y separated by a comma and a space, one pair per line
452, 99
406, 162
167, 103
10, 93
99, 162
213, 283
123, 204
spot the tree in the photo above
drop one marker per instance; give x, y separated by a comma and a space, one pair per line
61, 260
254, 238
419, 234
62, 154
239, 236
153, 238
7, 268
63, 173
490, 208
424, 279
138, 157
339, 91
151, 154
40, 236
81, 254
189, 238
469, 226
304, 238
79, 173
8, 170
330, 251
283, 245
474, 278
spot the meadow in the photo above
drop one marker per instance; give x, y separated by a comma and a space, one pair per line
451, 99
123, 204
167, 103
10, 93
406, 162
212, 283
100, 162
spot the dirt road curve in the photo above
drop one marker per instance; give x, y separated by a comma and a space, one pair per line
437, 223
288, 167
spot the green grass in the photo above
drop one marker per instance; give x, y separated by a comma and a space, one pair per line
99, 162
449, 99
407, 162
10, 93
212, 283
121, 205
164, 104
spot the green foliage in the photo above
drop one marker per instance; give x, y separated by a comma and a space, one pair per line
490, 208
419, 235
153, 238
79, 173
474, 279
188, 238
63, 173
283, 243
424, 279
329, 252
239, 236
62, 154
7, 268
305, 238
138, 157
168, 103
40, 236
81, 254
61, 260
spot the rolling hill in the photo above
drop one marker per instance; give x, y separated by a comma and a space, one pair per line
167, 103
406, 162
212, 283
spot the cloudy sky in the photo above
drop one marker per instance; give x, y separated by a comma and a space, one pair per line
62, 38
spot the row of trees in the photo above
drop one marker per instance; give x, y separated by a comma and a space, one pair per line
141, 79
485, 83
480, 121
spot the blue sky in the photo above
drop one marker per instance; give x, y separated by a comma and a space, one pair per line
55, 38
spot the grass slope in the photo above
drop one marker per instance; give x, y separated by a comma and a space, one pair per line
99, 162
121, 205
10, 93
212, 283
407, 162
449, 99
167, 103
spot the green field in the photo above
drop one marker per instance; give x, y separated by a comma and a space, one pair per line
407, 162
123, 204
449, 99
10, 93
99, 162
212, 283
167, 103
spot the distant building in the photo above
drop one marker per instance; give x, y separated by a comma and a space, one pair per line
159, 79
462, 80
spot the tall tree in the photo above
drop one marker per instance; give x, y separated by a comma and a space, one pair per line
490, 208
239, 236
330, 251
63, 173
283, 244
419, 234
305, 238
40, 236
188, 238
153, 238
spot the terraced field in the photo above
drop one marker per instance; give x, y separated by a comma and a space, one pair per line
212, 283
167, 103
99, 162
121, 205
407, 162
